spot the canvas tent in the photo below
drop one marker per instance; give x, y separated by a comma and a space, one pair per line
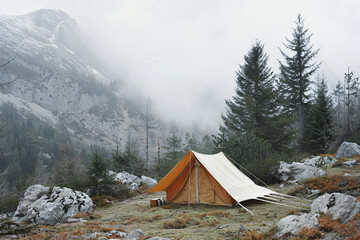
211, 179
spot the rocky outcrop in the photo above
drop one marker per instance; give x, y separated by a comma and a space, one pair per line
337, 204
294, 223
307, 168
148, 181
135, 235
350, 164
133, 182
298, 171
130, 181
46, 205
348, 149
319, 161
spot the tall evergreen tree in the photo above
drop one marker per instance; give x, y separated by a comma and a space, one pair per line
119, 161
254, 108
173, 147
320, 123
98, 170
171, 156
338, 112
350, 91
191, 143
296, 72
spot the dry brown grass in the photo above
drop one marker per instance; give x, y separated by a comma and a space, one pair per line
139, 219
329, 184
157, 217
181, 222
349, 229
142, 189
87, 216
293, 212
219, 214
313, 233
254, 235
102, 200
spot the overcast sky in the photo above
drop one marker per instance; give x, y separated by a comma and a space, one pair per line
184, 53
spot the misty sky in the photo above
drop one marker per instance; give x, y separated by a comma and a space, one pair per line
184, 53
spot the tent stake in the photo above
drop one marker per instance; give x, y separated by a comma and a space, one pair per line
245, 208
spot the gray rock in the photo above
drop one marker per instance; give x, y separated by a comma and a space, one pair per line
294, 223
298, 171
337, 204
159, 238
134, 235
332, 236
348, 149
6, 216
319, 161
72, 220
118, 234
46, 205
130, 181
350, 164
148, 181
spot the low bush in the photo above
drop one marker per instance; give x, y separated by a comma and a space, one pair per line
181, 222
313, 233
102, 200
334, 183
8, 203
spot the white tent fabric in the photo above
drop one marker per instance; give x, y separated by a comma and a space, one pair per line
237, 184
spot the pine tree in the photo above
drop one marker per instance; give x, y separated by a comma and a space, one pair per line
206, 145
172, 155
254, 108
350, 91
191, 143
173, 148
119, 161
295, 75
338, 113
320, 123
98, 170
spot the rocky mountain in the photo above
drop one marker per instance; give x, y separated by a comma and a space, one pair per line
60, 79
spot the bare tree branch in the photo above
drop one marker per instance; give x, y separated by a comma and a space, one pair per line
3, 65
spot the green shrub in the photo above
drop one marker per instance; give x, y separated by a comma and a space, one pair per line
8, 203
254, 154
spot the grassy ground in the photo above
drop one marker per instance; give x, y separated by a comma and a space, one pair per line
195, 221
183, 221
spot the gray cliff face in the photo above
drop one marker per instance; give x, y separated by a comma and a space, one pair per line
58, 78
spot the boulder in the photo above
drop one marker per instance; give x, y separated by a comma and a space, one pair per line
293, 223
348, 149
298, 171
135, 235
6, 216
350, 163
148, 181
159, 238
337, 204
130, 181
46, 205
319, 161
